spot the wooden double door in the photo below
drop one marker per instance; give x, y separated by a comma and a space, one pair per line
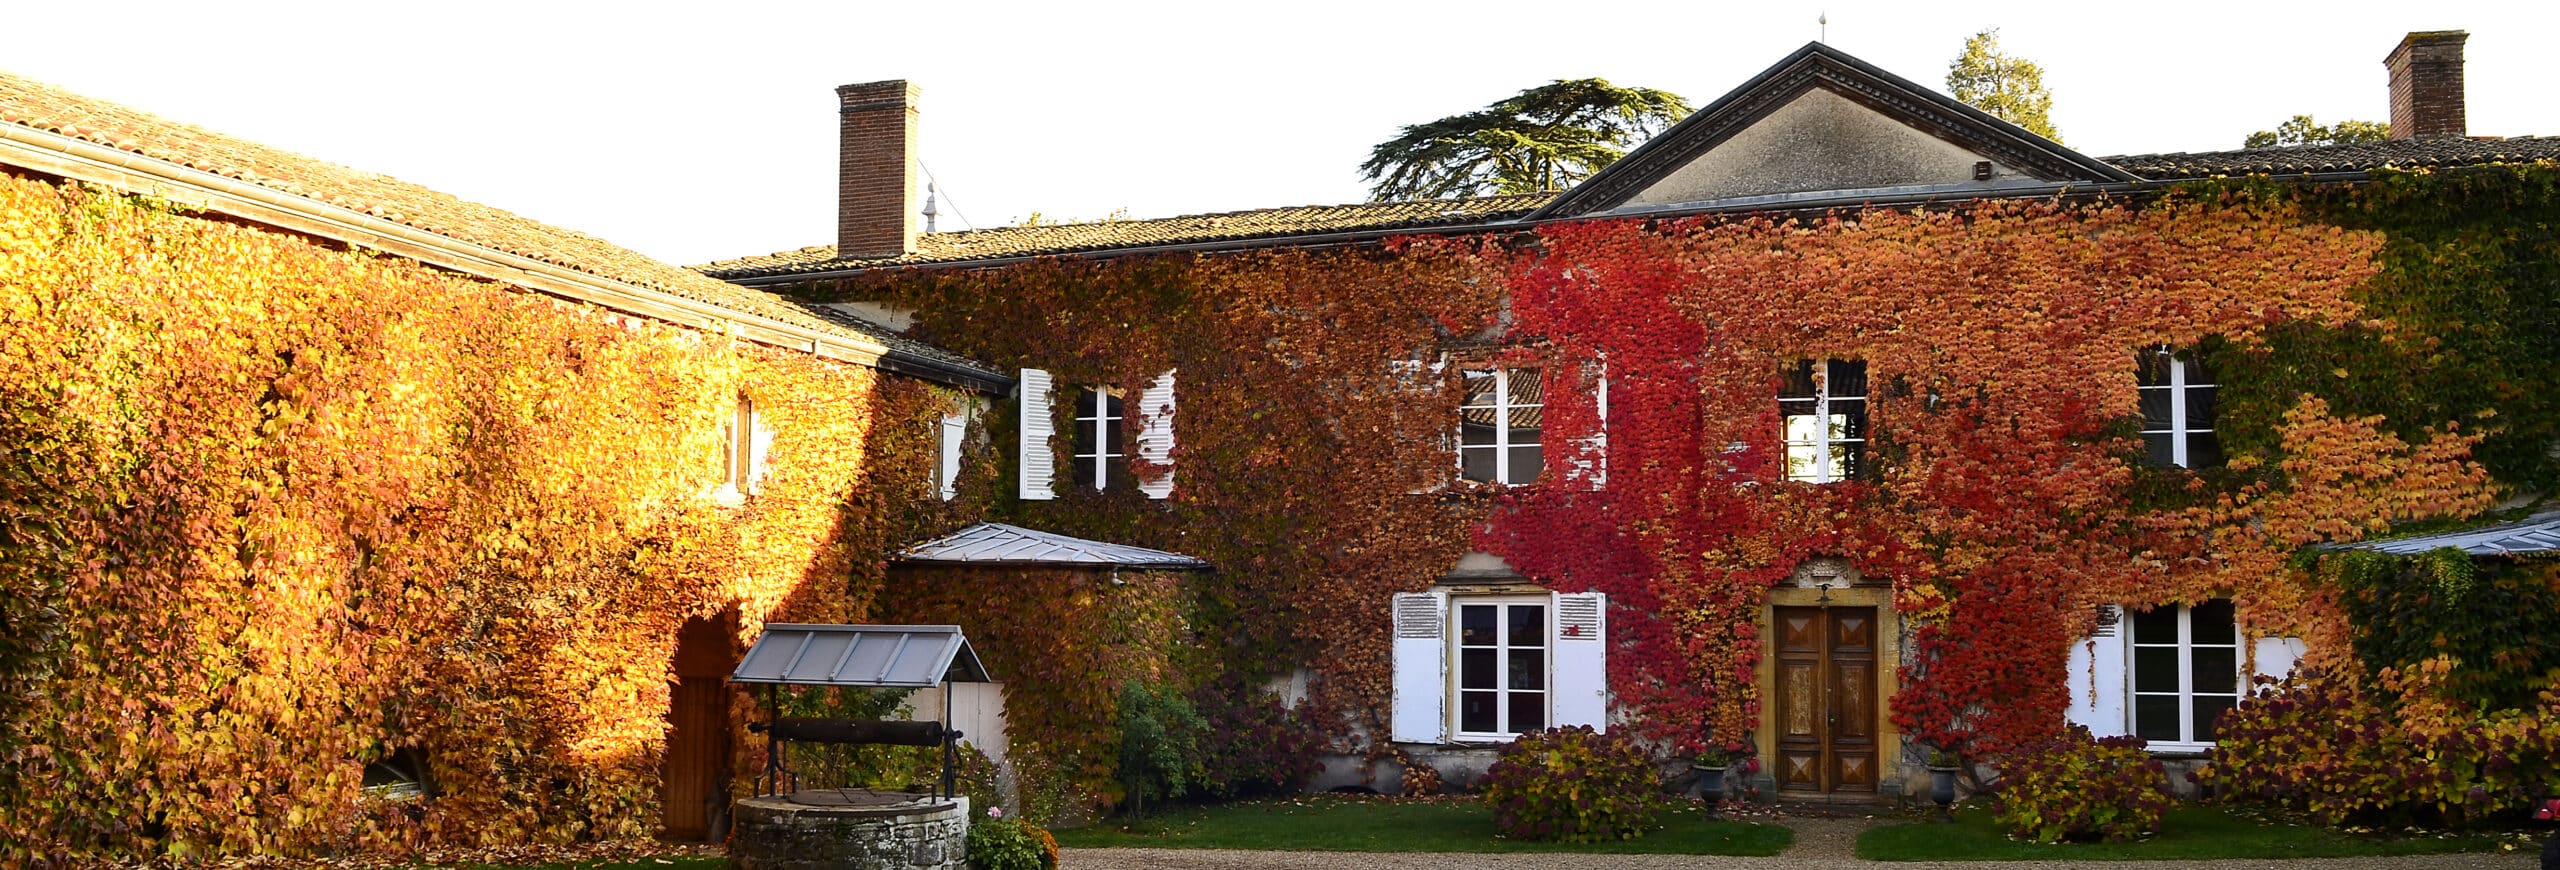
1825, 700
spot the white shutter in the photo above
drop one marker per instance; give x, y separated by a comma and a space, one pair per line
1155, 436
1038, 462
1589, 464
1582, 660
2097, 677
1420, 704
2276, 655
955, 432
760, 457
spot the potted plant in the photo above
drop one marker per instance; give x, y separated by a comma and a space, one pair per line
1711, 760
1943, 764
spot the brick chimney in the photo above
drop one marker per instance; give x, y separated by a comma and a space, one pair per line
2426, 84
876, 209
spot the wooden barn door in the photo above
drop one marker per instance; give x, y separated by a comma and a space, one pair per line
1826, 700
696, 772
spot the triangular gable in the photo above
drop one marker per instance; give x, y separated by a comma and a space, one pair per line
1822, 121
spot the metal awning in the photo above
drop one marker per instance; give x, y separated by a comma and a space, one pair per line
872, 656
2538, 535
1000, 544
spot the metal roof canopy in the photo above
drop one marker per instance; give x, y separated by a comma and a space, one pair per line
868, 656
2538, 535
1000, 544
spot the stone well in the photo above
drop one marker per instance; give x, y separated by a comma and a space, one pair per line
850, 829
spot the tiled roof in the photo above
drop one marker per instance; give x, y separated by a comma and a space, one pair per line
39, 106
2431, 151
1006, 242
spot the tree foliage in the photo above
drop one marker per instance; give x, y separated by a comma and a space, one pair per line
2302, 130
1540, 139
2010, 88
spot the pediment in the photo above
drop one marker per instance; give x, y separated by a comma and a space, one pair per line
1823, 122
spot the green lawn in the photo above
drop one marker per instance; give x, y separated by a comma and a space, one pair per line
2188, 832
1340, 823
671, 862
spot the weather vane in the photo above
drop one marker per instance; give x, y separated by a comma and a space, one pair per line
1823, 23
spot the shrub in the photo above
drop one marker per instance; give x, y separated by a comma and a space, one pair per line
1573, 785
1159, 744
1011, 844
2399, 750
1253, 744
2077, 788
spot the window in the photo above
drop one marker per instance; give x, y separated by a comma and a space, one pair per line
2186, 671
1502, 667
1498, 427
1094, 443
1822, 409
2177, 409
1483, 667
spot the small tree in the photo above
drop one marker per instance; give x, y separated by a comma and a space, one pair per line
2010, 88
2304, 131
1159, 744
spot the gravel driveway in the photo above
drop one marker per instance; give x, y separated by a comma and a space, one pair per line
1821, 844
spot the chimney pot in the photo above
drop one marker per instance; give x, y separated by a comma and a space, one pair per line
876, 213
2426, 84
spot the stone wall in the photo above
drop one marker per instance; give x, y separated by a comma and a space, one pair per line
774, 832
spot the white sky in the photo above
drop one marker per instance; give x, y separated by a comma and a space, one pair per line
693, 131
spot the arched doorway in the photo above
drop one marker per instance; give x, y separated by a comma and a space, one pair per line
695, 790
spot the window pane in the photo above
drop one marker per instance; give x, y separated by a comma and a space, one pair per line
2158, 626
2203, 450
2197, 374
2200, 408
2151, 367
2155, 409
1083, 471
1849, 418
2155, 717
1797, 407
1526, 462
2155, 669
1085, 402
2217, 670
2213, 623
1480, 388
1113, 431
2208, 707
1476, 428
2160, 449
1476, 712
1528, 711
1804, 461
1528, 669
1476, 668
1476, 463
1116, 473
1796, 381
1528, 624
1475, 624
1853, 460
1848, 379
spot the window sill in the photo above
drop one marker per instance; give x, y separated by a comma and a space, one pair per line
726, 495
2179, 748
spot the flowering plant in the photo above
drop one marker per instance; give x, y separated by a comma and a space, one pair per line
1723, 754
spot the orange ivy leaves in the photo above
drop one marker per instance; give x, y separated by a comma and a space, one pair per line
282, 509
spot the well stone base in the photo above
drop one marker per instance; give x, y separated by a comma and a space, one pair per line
870, 831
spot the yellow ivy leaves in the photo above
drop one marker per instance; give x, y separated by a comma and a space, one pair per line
276, 509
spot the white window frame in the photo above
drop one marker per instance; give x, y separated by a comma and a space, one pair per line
1831, 432
2185, 647
2179, 389
1097, 428
951, 437
1502, 655
1501, 411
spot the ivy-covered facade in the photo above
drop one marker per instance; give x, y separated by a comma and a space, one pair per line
1841, 421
